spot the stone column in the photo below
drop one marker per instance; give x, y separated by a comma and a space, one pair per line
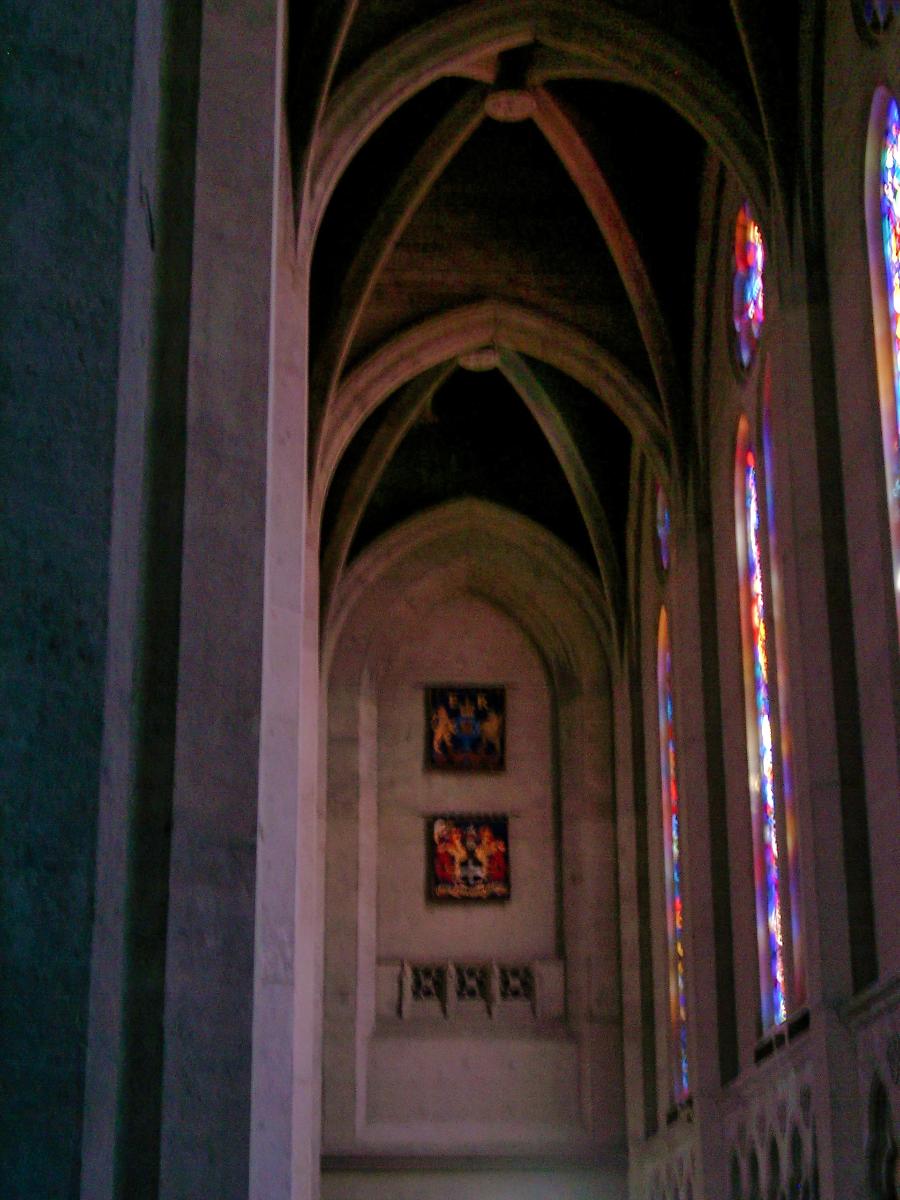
65, 89
712, 1050
210, 952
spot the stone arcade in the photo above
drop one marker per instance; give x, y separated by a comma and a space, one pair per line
537, 352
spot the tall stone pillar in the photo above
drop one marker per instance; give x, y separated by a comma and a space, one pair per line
65, 90
210, 952
121, 1127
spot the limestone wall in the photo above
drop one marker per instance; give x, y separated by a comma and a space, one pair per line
65, 90
438, 1076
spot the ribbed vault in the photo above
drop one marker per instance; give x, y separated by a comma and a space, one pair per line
516, 188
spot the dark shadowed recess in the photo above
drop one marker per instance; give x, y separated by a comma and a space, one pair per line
708, 29
476, 439
653, 161
602, 440
363, 189
505, 220
379, 22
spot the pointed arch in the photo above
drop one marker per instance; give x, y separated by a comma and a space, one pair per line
471, 327
442, 46
763, 55
311, 73
582, 167
551, 424
883, 230
367, 475
569, 457
604, 42
531, 569
881, 1143
762, 741
413, 185
416, 182
672, 847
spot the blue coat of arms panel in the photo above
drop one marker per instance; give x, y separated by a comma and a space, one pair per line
465, 728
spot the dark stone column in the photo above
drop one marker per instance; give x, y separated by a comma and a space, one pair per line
65, 84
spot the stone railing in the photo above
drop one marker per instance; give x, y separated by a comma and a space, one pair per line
534, 990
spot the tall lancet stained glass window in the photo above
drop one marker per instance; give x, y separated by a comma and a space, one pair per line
671, 814
748, 296
877, 14
663, 527
761, 750
889, 180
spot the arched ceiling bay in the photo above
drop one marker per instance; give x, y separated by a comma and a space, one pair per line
363, 192
520, 182
521, 234
708, 26
475, 437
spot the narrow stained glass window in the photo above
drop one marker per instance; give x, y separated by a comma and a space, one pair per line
672, 849
790, 848
762, 771
663, 526
877, 13
890, 226
748, 301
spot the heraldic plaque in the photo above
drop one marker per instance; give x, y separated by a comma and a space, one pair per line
465, 728
468, 857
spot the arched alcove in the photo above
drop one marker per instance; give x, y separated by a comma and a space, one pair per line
415, 1061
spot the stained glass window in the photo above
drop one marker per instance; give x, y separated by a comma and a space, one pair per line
890, 229
762, 771
877, 13
672, 848
748, 301
790, 848
663, 526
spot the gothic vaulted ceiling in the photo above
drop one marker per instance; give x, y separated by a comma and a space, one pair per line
503, 202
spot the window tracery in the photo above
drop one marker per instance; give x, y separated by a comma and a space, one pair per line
791, 861
767, 832
884, 233
663, 527
748, 296
774, 1154
883, 1158
877, 14
671, 814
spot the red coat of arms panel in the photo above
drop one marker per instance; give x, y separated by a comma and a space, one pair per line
469, 857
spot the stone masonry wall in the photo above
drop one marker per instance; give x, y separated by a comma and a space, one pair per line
65, 94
